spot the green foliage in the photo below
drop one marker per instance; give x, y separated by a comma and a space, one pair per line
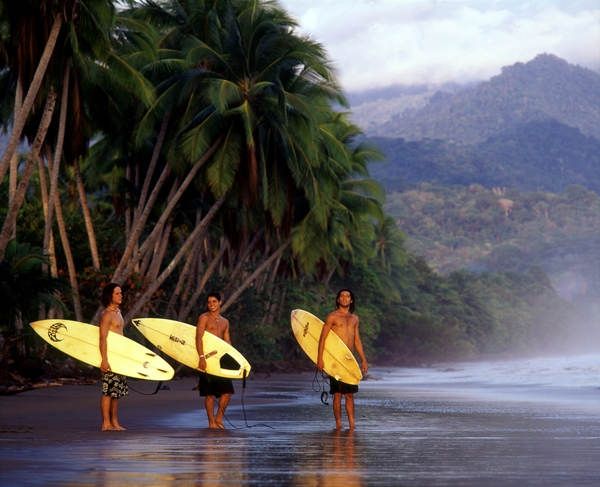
466, 227
24, 285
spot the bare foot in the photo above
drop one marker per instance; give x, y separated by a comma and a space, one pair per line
106, 427
213, 425
118, 427
220, 425
338, 426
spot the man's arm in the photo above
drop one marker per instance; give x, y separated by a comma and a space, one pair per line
200, 327
324, 332
104, 329
364, 367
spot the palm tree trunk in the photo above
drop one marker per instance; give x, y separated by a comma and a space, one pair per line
14, 160
152, 166
32, 92
196, 234
259, 270
186, 309
184, 277
51, 251
119, 275
58, 150
242, 259
64, 238
11, 216
87, 217
159, 253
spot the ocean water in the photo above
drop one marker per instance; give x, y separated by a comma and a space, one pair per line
519, 422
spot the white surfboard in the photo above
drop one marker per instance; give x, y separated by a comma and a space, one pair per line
178, 340
81, 341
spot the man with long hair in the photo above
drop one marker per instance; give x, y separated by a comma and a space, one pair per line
344, 323
114, 386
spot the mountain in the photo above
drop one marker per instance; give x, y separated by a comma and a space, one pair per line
539, 155
545, 88
500, 175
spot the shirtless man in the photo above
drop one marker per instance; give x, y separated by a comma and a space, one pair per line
210, 386
114, 386
344, 323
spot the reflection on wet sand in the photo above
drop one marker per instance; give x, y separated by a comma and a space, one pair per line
211, 458
337, 465
221, 464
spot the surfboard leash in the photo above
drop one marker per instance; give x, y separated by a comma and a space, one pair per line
244, 410
159, 386
319, 385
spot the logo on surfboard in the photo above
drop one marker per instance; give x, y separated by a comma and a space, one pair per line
54, 329
176, 339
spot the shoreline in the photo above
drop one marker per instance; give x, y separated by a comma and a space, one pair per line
279, 433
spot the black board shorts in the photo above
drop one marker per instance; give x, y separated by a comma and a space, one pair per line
338, 387
211, 385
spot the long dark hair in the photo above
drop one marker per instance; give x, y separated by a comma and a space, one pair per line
352, 303
107, 293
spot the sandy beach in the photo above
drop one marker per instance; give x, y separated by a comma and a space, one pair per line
411, 434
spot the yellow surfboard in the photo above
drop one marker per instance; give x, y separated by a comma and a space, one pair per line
178, 340
338, 360
81, 341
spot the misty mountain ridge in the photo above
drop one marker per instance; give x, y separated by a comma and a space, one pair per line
540, 155
545, 88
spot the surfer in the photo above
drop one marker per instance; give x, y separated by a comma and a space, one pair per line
114, 386
344, 323
211, 386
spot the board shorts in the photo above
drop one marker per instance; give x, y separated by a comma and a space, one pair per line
338, 387
211, 385
114, 385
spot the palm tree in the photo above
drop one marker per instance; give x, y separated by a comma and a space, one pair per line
242, 81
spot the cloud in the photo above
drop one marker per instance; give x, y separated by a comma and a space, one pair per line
376, 43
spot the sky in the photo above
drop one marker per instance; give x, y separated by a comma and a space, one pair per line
379, 43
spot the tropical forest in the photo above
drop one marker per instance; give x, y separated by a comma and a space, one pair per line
181, 147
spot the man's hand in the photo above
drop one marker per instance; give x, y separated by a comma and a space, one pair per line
202, 363
105, 366
364, 367
320, 364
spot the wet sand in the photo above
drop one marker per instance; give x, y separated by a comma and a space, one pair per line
409, 435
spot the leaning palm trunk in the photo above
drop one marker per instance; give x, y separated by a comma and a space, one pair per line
185, 311
243, 256
51, 253
64, 238
128, 260
22, 115
259, 270
14, 160
87, 217
185, 276
13, 210
55, 168
196, 234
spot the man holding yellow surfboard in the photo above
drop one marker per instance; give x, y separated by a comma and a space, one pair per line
344, 323
211, 386
114, 386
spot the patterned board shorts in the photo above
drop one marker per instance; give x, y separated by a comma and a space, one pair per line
114, 385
